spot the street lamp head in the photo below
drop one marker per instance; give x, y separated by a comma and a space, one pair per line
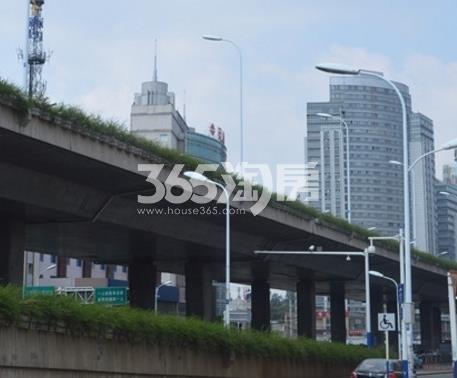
376, 274
196, 176
443, 253
445, 194
395, 162
213, 38
372, 228
371, 249
336, 68
451, 145
324, 115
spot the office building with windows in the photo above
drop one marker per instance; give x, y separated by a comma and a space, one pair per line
450, 172
205, 147
421, 141
446, 210
373, 114
374, 117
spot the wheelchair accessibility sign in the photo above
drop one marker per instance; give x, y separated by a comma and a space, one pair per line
386, 322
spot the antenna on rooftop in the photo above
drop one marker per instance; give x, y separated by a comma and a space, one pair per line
155, 59
184, 106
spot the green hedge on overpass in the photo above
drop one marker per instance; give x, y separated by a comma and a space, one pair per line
50, 313
94, 124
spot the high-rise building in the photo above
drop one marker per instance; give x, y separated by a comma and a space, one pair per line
373, 114
421, 141
154, 116
446, 209
450, 172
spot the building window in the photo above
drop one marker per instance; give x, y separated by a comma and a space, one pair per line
79, 263
53, 259
41, 257
163, 138
102, 266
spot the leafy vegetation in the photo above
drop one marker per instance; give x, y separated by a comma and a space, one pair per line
123, 323
94, 124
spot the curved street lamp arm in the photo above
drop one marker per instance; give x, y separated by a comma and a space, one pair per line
422, 157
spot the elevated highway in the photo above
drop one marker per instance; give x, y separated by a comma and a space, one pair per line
70, 191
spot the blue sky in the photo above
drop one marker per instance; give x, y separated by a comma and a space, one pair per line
103, 50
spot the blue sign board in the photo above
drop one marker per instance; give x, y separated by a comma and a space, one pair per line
168, 294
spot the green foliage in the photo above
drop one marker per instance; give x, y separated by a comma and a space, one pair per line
143, 326
94, 124
17, 98
279, 307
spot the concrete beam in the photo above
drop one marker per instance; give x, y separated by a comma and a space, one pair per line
81, 203
12, 245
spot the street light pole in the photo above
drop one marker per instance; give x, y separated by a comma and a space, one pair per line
380, 275
453, 321
199, 177
238, 49
365, 254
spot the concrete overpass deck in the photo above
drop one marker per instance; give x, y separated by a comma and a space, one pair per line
74, 190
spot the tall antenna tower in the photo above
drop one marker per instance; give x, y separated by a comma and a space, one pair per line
34, 57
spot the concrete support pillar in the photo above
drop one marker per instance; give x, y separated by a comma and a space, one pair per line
376, 299
61, 269
430, 325
260, 305
142, 283
337, 312
87, 268
12, 245
306, 309
110, 270
142, 271
199, 291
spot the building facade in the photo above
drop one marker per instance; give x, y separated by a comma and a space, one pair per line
446, 209
205, 147
450, 172
154, 116
421, 141
373, 114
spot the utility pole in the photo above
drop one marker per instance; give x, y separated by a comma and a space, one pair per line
34, 56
